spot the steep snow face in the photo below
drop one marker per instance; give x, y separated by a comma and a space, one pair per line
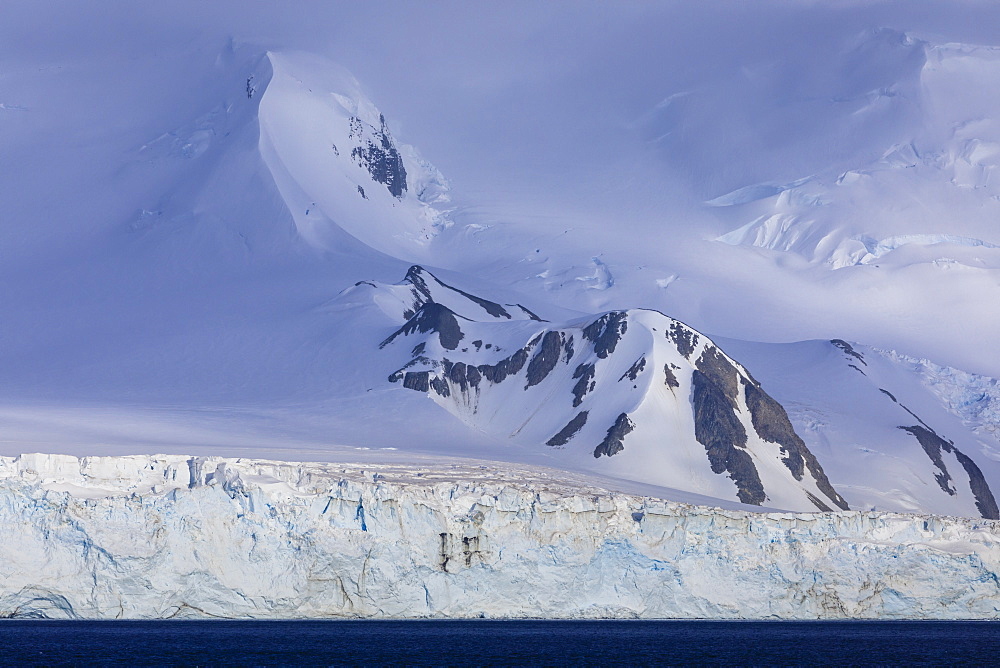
974, 398
932, 195
631, 393
167, 537
885, 432
338, 166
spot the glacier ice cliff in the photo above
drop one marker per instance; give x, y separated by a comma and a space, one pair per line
174, 536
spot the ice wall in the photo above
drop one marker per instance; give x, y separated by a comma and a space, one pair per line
170, 536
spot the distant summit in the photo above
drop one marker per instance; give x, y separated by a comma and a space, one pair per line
339, 167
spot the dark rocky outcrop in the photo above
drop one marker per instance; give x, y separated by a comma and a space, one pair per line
569, 431
669, 377
685, 340
496, 373
917, 418
849, 350
416, 380
634, 370
423, 293
415, 276
545, 359
985, 501
440, 386
720, 372
606, 331
529, 313
715, 383
614, 442
819, 504
771, 423
378, 156
718, 429
473, 375
934, 445
432, 317
400, 374
585, 374
462, 375
568, 348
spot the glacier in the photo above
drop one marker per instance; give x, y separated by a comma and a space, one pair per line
170, 536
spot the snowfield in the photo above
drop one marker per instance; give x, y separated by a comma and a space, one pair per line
651, 292
176, 537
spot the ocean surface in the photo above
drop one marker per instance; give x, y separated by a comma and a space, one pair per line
491, 643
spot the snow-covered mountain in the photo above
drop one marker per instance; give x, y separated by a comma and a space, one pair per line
657, 399
885, 438
613, 284
641, 396
337, 164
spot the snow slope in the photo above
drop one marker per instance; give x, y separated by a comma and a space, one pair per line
177, 537
338, 166
885, 438
931, 195
183, 207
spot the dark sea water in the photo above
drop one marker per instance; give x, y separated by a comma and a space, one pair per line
493, 643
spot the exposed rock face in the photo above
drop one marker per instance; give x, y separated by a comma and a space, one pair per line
509, 366
569, 431
634, 370
852, 354
614, 442
426, 286
849, 350
545, 359
432, 317
772, 423
377, 153
420, 287
170, 536
669, 377
718, 428
935, 446
584, 384
684, 338
720, 373
606, 331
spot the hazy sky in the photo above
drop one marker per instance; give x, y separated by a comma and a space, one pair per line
559, 89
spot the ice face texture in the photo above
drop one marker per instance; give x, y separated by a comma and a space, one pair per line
172, 536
